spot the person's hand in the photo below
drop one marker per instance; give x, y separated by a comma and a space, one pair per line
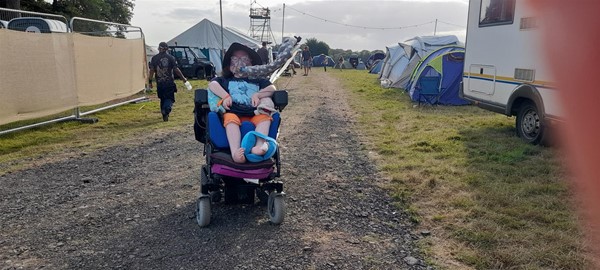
227, 102
255, 100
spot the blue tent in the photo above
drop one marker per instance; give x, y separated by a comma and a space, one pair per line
319, 60
376, 69
436, 79
373, 58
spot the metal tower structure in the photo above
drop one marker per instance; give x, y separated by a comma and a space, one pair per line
260, 23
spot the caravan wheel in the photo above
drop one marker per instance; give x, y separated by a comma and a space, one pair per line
529, 124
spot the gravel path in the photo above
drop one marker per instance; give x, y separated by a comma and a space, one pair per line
133, 206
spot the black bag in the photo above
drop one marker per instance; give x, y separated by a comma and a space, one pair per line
242, 110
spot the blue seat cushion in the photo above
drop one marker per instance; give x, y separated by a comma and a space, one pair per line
219, 137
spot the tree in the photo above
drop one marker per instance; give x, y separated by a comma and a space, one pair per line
317, 47
118, 11
13, 4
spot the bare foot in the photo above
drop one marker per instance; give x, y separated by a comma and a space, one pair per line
260, 149
238, 156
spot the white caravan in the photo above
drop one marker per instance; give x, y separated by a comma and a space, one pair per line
505, 70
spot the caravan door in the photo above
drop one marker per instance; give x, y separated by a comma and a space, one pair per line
481, 78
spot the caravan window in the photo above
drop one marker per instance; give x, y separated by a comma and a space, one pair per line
496, 12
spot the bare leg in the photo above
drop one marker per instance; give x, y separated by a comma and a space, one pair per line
262, 128
234, 137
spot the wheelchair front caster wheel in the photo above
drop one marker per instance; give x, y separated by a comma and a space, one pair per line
276, 207
203, 211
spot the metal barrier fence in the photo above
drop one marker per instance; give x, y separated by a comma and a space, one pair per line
7, 14
76, 25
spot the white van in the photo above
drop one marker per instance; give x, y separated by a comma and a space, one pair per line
505, 70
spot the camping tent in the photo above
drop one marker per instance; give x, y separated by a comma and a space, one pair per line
376, 69
320, 59
437, 78
400, 60
361, 65
206, 35
374, 57
345, 65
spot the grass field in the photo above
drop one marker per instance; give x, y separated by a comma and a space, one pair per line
489, 200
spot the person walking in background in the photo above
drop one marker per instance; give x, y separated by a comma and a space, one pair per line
163, 65
325, 62
341, 62
306, 60
263, 52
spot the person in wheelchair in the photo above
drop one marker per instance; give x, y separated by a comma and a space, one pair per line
238, 97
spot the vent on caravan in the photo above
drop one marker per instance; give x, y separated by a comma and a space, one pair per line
524, 74
528, 23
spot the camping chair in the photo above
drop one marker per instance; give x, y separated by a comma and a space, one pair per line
429, 89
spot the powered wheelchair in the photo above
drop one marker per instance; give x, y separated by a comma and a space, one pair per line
223, 179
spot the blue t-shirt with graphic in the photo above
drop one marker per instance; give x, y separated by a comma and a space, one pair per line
240, 90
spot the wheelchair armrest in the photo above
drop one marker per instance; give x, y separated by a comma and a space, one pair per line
201, 97
280, 99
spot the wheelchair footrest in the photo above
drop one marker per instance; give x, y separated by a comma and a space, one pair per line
225, 170
225, 159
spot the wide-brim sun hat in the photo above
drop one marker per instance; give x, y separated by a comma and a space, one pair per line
240, 47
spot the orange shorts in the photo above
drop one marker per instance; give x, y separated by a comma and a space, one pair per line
233, 118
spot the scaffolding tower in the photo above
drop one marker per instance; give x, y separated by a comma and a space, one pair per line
260, 23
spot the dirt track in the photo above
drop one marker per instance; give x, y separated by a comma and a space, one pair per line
133, 206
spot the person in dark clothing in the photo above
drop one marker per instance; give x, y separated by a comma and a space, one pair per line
263, 52
163, 65
306, 60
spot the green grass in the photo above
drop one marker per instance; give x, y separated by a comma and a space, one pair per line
127, 122
495, 201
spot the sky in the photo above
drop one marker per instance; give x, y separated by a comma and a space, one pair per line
341, 24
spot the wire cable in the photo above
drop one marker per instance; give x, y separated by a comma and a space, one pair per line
358, 26
461, 26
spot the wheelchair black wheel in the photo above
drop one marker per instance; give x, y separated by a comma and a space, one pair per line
276, 208
203, 211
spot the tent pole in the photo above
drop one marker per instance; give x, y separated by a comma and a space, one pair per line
435, 27
221, 14
283, 24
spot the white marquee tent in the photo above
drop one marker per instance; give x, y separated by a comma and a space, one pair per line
206, 35
400, 60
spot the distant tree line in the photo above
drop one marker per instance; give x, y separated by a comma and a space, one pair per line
317, 47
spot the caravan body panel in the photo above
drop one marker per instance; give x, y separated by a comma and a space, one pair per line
505, 55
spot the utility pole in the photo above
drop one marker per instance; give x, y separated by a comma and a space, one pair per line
222, 45
283, 24
435, 28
